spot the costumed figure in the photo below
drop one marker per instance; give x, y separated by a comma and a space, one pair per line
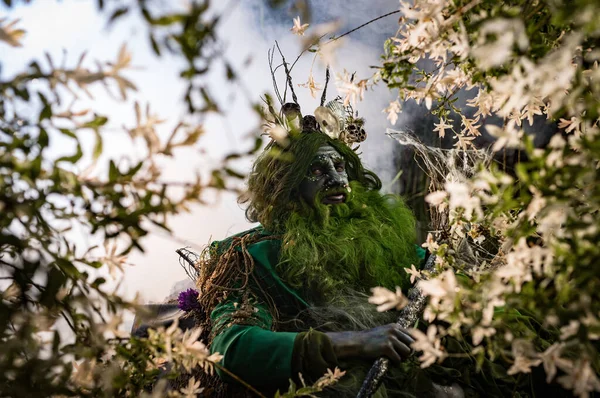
289, 297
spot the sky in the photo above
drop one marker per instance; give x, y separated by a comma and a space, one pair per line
248, 32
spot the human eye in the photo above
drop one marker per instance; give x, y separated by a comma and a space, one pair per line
339, 167
316, 170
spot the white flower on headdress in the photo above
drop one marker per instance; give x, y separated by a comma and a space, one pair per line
313, 86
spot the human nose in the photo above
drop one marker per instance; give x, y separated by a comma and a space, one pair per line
334, 178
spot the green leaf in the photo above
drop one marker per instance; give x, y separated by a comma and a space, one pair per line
36, 67
43, 138
68, 267
22, 93
98, 147
188, 73
73, 158
167, 20
118, 14
232, 173
56, 343
95, 264
97, 282
46, 113
305, 391
68, 133
56, 279
133, 171
232, 156
113, 172
217, 180
154, 44
160, 225
97, 122
146, 14
229, 72
35, 170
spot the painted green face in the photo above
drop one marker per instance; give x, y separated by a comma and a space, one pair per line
326, 178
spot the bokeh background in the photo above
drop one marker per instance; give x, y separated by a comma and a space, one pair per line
65, 29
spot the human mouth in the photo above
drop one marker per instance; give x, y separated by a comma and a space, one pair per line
334, 198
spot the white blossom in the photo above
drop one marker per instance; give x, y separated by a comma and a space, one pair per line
111, 259
581, 378
350, 90
441, 291
385, 299
505, 137
313, 86
392, 110
569, 330
430, 244
330, 378
537, 203
552, 221
429, 344
413, 272
478, 333
483, 102
11, 292
146, 129
461, 197
550, 359
278, 134
532, 109
571, 126
192, 389
83, 373
436, 198
463, 142
523, 364
299, 28
524, 356
507, 33
9, 34
441, 127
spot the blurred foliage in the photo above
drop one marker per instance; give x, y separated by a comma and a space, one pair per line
515, 296
59, 320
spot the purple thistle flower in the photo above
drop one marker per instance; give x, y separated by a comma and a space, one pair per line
188, 300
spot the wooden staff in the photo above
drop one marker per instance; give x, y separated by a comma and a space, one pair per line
408, 316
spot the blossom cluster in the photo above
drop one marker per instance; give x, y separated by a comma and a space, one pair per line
518, 247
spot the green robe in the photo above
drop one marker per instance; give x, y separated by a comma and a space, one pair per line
247, 338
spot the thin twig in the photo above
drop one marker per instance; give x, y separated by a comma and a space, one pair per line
324, 95
288, 75
242, 382
342, 35
362, 26
270, 54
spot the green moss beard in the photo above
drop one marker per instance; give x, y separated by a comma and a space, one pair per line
362, 243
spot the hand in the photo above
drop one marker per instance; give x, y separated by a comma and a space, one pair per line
389, 341
453, 391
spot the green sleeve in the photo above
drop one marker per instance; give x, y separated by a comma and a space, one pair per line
250, 350
313, 355
421, 253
